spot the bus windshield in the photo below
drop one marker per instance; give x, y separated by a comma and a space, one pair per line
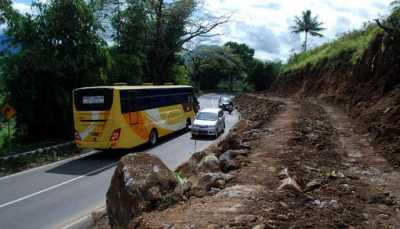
98, 99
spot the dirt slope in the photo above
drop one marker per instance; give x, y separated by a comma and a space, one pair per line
368, 91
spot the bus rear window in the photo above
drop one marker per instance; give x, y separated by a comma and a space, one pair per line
93, 99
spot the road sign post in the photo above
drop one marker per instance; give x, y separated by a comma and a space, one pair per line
9, 136
8, 112
195, 146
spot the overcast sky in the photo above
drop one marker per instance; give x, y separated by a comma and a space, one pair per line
264, 24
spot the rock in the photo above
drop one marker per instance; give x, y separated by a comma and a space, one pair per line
326, 204
245, 219
209, 163
384, 216
227, 159
284, 173
283, 204
259, 226
312, 185
245, 145
220, 184
382, 198
229, 165
335, 175
213, 226
282, 217
190, 167
202, 184
291, 184
140, 183
197, 189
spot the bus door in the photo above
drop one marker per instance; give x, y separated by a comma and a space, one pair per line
133, 114
128, 107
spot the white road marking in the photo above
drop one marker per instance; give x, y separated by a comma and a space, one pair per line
56, 186
51, 164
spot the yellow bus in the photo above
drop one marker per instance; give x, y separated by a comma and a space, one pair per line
122, 117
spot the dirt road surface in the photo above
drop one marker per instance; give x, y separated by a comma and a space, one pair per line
307, 168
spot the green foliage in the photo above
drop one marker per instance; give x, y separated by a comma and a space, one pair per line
212, 65
125, 68
396, 5
181, 178
154, 32
60, 51
5, 8
243, 51
263, 74
352, 44
307, 24
181, 75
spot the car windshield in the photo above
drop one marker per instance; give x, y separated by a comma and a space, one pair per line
226, 100
207, 116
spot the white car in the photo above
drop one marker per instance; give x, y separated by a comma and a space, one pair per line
209, 122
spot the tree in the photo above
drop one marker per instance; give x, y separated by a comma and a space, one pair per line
307, 24
159, 29
5, 8
214, 66
392, 24
395, 5
59, 50
243, 50
262, 74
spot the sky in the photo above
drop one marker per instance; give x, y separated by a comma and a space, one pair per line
265, 24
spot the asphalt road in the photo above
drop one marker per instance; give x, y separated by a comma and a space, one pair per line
56, 195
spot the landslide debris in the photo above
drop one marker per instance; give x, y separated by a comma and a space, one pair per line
286, 164
140, 183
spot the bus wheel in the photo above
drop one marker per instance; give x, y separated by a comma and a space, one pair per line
153, 138
188, 123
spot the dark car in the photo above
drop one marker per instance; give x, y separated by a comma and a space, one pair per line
226, 104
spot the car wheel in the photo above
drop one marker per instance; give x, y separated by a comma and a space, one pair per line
153, 138
188, 123
216, 133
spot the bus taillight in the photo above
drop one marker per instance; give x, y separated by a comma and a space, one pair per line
77, 136
115, 135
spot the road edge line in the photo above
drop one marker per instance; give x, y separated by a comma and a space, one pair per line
74, 222
56, 186
53, 163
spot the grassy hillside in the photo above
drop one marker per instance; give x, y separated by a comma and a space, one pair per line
352, 43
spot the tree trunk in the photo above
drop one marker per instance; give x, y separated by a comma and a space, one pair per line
305, 42
231, 83
157, 70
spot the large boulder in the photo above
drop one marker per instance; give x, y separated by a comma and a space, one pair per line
141, 182
209, 163
227, 159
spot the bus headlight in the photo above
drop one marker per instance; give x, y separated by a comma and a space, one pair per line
115, 135
77, 136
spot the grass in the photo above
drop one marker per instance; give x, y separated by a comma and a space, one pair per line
352, 43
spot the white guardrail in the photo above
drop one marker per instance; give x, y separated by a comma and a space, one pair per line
39, 150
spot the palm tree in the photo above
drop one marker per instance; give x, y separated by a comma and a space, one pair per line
396, 5
307, 24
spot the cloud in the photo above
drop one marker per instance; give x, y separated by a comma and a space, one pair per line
265, 25
22, 7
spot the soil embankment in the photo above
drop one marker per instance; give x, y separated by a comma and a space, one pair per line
368, 91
